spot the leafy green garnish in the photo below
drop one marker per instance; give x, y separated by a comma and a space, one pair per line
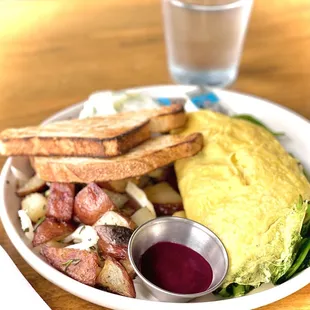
305, 230
255, 121
73, 261
223, 292
302, 260
26, 229
40, 221
234, 290
306, 174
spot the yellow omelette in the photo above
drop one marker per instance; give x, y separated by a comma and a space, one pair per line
245, 187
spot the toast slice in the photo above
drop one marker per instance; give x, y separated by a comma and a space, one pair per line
167, 118
107, 136
95, 137
146, 157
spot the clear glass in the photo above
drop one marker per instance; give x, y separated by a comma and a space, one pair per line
204, 39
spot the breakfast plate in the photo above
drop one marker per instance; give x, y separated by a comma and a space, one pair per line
279, 119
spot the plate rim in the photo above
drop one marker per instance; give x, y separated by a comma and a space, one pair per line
112, 300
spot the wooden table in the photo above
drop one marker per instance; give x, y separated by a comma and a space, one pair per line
55, 53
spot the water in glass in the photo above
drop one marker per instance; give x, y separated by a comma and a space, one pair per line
204, 39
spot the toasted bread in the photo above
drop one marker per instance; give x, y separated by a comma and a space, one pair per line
106, 136
99, 136
148, 156
167, 118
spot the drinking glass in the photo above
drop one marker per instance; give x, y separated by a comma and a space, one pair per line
204, 39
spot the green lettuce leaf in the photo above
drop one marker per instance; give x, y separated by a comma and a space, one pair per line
255, 121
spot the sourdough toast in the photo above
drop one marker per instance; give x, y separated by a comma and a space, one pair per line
150, 155
106, 136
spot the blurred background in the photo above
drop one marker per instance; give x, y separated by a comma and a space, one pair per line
68, 49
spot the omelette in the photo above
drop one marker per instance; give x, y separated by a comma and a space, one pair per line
246, 188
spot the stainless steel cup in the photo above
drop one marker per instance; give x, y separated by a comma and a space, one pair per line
185, 232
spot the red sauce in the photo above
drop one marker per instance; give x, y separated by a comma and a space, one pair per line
176, 268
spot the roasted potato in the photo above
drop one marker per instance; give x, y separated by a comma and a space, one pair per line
50, 229
33, 185
130, 207
80, 265
113, 240
142, 216
180, 214
35, 206
167, 208
115, 218
60, 201
160, 174
165, 199
91, 203
120, 185
140, 197
114, 278
143, 181
127, 265
55, 244
117, 198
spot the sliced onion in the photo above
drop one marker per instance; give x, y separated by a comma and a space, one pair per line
98, 104
138, 194
26, 224
84, 237
20, 176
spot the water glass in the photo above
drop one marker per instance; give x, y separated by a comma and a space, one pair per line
204, 39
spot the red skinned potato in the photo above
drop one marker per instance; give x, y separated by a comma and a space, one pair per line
60, 201
114, 278
167, 208
49, 229
33, 185
115, 218
130, 207
113, 240
127, 265
80, 265
91, 203
165, 199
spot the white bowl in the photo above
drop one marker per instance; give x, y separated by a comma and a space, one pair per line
297, 131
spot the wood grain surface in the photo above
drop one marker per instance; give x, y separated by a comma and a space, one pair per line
55, 53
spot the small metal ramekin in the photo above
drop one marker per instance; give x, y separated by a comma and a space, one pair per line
185, 232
